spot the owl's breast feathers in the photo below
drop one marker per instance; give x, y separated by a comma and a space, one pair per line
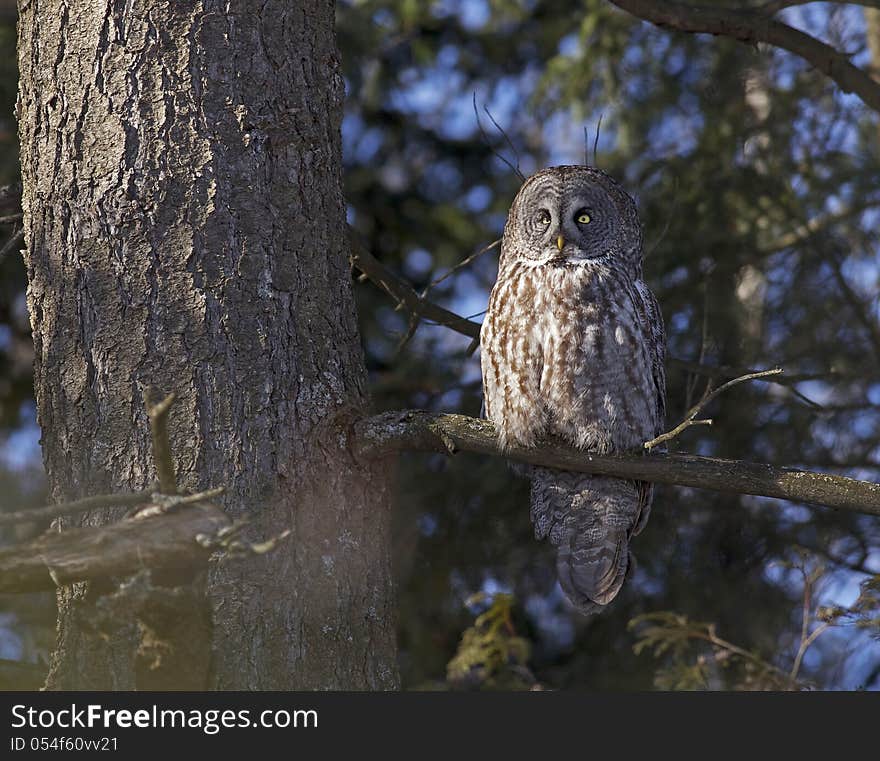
576, 352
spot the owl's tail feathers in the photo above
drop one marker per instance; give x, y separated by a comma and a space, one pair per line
590, 520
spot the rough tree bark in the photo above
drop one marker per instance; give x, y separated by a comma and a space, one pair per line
185, 229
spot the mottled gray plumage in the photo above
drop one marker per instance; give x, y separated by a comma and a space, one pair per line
573, 346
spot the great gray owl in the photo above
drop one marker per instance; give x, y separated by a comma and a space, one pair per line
573, 346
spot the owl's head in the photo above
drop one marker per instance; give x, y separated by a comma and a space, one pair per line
568, 215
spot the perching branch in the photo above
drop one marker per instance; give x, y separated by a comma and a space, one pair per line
751, 27
446, 433
151, 539
690, 417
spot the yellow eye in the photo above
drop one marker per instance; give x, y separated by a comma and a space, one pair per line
544, 218
583, 218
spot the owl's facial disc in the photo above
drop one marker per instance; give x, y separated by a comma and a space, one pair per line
571, 215
570, 223
570, 229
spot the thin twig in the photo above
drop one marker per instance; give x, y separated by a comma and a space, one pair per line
488, 143
127, 499
158, 415
414, 322
596, 141
807, 638
860, 310
162, 503
507, 140
690, 420
16, 238
806, 610
691, 385
721, 371
402, 292
11, 219
819, 631
713, 638
200, 496
805, 399
463, 263
809, 227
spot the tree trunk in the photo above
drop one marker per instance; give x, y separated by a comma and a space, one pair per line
185, 229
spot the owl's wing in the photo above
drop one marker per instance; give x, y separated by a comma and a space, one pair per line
649, 311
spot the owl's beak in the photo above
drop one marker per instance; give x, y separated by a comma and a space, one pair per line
560, 242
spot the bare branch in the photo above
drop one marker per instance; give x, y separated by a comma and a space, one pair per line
15, 240
128, 499
10, 219
507, 140
405, 296
158, 415
807, 638
720, 371
463, 263
690, 417
751, 27
423, 431
861, 311
165, 539
488, 143
712, 637
165, 502
672, 433
403, 293
596, 142
704, 344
